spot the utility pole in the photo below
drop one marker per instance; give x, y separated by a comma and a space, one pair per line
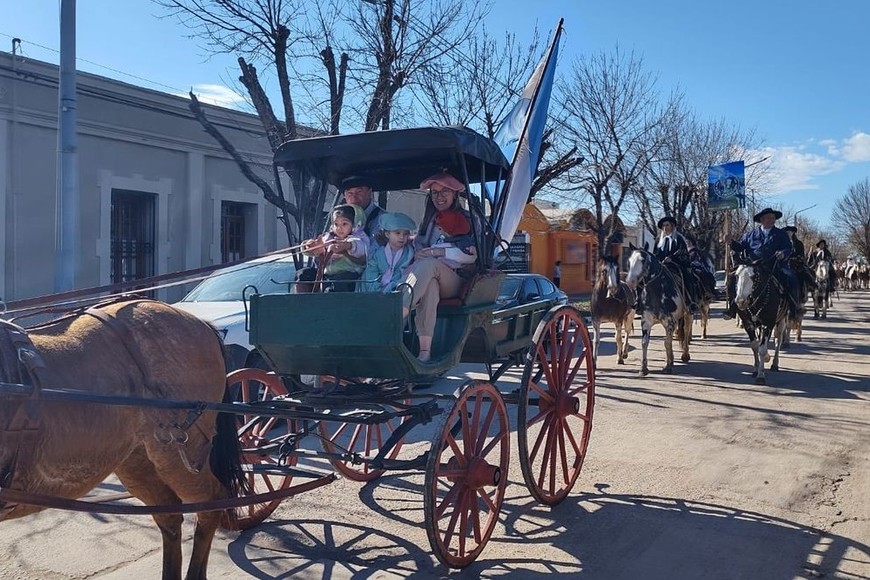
67, 208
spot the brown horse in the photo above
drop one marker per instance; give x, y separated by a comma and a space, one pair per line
131, 348
612, 301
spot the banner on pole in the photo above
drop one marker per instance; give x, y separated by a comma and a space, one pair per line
726, 186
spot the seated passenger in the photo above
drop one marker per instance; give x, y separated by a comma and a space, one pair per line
341, 251
393, 254
445, 254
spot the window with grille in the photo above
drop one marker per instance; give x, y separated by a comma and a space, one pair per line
132, 235
232, 231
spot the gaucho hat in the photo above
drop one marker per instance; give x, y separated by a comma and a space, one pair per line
820, 242
766, 211
790, 229
354, 181
667, 219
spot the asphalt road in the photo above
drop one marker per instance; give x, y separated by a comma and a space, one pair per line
701, 474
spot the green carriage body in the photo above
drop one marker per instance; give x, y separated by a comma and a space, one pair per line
364, 335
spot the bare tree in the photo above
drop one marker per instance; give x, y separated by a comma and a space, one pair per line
613, 114
675, 183
390, 42
852, 212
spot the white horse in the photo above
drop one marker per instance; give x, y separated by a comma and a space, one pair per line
821, 298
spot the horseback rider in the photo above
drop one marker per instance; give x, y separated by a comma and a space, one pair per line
671, 250
798, 262
822, 253
702, 268
770, 245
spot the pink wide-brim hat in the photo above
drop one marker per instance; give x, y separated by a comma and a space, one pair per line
444, 180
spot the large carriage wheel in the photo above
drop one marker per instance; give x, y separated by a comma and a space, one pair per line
466, 475
360, 439
556, 401
250, 386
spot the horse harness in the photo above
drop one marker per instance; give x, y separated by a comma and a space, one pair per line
763, 293
21, 364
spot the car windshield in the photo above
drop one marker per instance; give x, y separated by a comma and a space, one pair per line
509, 289
227, 285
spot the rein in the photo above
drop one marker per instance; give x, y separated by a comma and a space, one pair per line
763, 292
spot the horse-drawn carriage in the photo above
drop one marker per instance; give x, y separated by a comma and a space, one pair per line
140, 379
365, 400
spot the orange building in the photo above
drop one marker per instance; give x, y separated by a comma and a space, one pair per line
570, 241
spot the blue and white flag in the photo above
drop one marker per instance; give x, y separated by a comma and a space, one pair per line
519, 136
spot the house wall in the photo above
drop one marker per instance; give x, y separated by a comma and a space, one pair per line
129, 138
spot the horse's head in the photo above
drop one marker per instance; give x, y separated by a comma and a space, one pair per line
822, 270
639, 264
745, 275
608, 270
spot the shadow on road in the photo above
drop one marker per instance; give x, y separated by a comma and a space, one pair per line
612, 537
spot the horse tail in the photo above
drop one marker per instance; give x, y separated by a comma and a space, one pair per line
226, 455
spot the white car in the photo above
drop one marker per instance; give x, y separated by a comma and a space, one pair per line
218, 300
719, 275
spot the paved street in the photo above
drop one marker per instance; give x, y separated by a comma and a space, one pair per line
697, 475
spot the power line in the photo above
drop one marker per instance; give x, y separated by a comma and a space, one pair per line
47, 81
114, 70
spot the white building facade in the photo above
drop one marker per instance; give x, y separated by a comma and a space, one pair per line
157, 194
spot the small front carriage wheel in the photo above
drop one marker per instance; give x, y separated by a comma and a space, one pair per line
363, 440
556, 401
256, 434
466, 475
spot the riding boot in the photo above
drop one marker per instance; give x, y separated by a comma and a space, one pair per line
730, 310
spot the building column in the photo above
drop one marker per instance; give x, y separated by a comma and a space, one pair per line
5, 197
195, 209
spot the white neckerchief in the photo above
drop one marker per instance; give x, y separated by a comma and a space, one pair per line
663, 240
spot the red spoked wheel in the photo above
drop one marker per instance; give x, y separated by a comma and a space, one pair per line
249, 386
556, 401
364, 440
466, 475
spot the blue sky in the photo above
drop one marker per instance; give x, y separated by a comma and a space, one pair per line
796, 72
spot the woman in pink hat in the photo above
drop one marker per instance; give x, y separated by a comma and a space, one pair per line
445, 254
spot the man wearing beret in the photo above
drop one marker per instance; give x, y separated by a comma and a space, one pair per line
772, 246
357, 191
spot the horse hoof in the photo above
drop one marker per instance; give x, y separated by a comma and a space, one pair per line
685, 358
644, 372
620, 361
824, 316
760, 381
774, 367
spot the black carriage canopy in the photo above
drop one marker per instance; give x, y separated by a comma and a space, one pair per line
398, 158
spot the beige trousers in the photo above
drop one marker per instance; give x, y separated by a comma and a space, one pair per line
431, 280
